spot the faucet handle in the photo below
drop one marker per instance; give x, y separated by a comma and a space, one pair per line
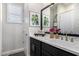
66, 38
72, 39
61, 37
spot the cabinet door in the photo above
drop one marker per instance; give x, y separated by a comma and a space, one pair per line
37, 50
48, 48
54, 51
34, 47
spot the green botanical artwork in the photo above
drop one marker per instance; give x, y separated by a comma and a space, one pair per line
45, 21
34, 19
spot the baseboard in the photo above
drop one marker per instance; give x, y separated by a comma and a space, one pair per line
12, 52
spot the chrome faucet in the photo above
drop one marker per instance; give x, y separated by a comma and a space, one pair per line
66, 37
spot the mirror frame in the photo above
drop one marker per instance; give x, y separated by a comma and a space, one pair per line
41, 26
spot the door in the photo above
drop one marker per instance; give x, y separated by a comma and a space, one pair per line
12, 32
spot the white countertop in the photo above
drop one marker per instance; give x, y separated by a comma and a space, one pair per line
72, 47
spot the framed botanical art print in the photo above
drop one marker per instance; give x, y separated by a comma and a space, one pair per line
34, 19
46, 21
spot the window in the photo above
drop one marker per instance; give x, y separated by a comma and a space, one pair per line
14, 13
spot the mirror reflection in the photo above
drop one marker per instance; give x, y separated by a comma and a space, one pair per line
64, 16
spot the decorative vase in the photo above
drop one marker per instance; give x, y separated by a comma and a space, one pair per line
51, 35
56, 36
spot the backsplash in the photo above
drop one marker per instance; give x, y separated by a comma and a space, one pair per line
32, 30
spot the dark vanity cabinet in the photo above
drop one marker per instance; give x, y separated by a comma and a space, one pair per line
38, 48
35, 47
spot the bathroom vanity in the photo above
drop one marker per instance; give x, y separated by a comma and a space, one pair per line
46, 46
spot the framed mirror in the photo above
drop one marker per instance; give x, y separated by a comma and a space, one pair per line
65, 16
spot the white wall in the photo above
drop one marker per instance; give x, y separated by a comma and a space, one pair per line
0, 28
12, 34
46, 11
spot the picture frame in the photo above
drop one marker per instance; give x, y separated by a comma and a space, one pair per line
46, 20
34, 19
